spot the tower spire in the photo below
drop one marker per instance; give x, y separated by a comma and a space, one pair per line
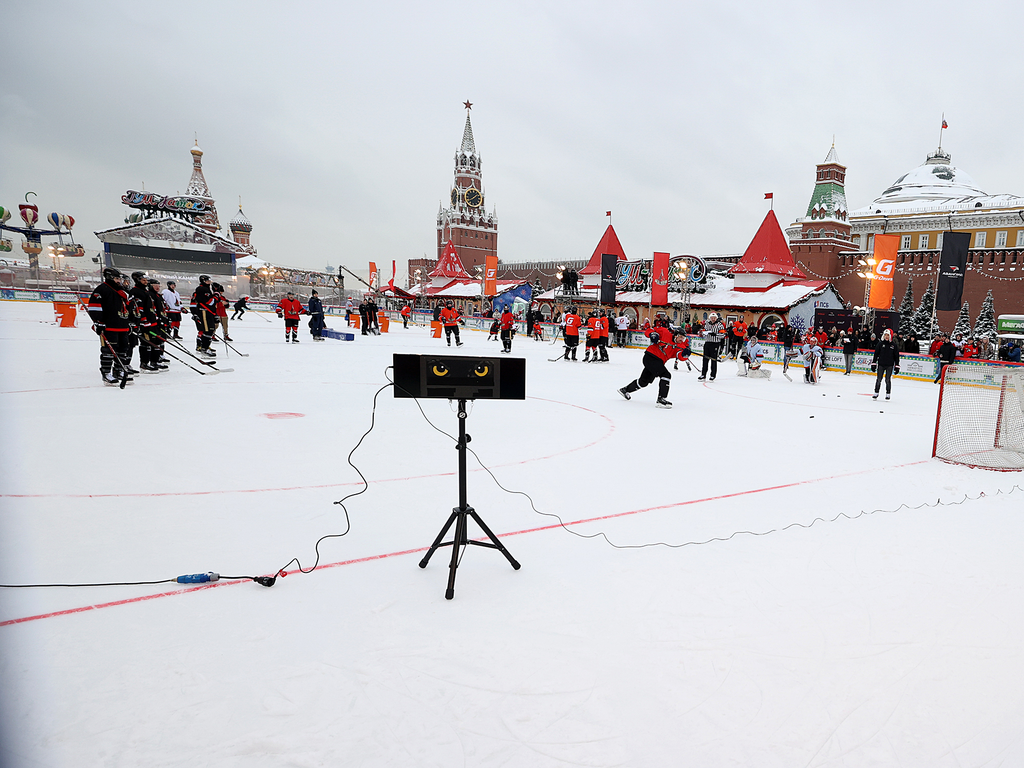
468, 144
197, 188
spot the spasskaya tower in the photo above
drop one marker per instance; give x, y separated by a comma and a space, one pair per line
466, 223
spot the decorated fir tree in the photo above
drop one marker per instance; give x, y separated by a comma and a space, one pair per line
985, 328
925, 325
906, 310
963, 321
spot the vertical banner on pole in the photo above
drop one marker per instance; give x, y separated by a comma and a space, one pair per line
490, 274
609, 261
659, 280
884, 254
952, 265
373, 275
394, 272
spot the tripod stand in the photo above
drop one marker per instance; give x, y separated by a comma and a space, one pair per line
459, 515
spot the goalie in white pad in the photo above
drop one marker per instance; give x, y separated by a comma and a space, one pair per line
751, 360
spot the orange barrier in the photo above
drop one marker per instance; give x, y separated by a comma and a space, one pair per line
354, 318
383, 321
435, 329
67, 313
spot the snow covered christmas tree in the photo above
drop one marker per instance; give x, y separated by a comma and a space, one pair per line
906, 310
963, 321
926, 326
985, 328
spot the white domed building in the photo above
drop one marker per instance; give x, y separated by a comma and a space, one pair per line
919, 206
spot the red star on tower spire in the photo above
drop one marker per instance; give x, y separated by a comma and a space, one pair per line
467, 104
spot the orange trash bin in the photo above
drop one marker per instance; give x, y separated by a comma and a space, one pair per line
67, 314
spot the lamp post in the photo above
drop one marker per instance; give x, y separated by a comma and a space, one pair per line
867, 269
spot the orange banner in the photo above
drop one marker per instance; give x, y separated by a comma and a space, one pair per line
373, 275
886, 247
490, 275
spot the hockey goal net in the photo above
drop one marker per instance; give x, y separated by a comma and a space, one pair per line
980, 419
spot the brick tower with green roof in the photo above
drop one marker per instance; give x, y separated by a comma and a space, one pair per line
827, 213
816, 239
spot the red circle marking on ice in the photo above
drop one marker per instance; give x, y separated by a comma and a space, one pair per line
283, 415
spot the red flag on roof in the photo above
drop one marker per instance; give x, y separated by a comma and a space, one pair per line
769, 195
607, 213
944, 125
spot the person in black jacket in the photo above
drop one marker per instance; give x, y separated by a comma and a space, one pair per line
316, 317
912, 346
885, 362
849, 342
946, 355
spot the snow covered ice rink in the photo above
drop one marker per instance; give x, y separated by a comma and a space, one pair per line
893, 639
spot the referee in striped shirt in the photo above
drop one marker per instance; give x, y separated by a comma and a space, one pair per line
713, 333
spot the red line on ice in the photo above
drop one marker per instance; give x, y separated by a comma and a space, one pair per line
385, 555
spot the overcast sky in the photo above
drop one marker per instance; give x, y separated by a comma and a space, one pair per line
337, 123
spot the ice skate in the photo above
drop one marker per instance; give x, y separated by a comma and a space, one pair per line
874, 396
886, 395
622, 391
662, 403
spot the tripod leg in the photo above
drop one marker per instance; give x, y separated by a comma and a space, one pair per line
458, 541
437, 541
494, 539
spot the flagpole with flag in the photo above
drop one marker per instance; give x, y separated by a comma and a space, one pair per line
944, 127
770, 196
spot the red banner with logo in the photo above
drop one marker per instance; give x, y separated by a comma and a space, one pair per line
886, 247
659, 280
373, 275
490, 274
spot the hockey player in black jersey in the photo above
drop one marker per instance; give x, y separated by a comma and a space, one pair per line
110, 314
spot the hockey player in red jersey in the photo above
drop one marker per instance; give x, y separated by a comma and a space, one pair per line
290, 309
665, 344
571, 332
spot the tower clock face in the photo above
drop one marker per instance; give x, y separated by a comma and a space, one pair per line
455, 196
473, 198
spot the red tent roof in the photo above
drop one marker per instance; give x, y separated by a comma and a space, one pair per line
769, 252
450, 265
609, 244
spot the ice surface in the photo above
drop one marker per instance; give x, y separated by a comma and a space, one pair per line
895, 639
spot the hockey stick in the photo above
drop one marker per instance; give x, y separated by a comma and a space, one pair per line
184, 350
207, 372
117, 359
233, 349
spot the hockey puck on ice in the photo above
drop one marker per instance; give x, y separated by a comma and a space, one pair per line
810, 417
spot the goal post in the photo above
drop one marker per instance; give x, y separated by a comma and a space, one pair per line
979, 421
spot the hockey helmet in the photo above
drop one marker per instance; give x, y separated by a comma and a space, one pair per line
204, 278
111, 272
137, 276
655, 337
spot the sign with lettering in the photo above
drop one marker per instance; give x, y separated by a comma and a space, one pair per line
183, 204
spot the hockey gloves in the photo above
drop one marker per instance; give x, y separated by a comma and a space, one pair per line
874, 368
896, 370
99, 328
